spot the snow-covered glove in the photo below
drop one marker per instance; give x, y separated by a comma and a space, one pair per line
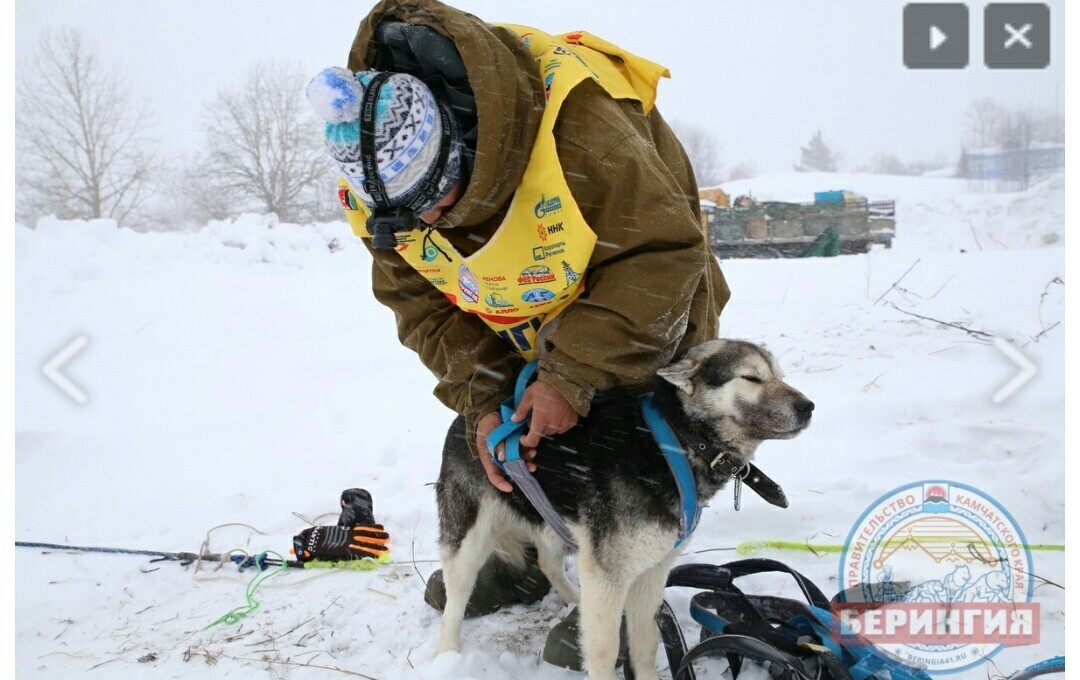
357, 508
342, 543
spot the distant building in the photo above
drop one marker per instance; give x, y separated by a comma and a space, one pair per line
1013, 164
716, 195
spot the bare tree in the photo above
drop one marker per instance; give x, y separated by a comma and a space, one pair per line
1010, 144
263, 147
84, 151
885, 163
1018, 134
744, 170
983, 123
194, 200
1050, 127
704, 151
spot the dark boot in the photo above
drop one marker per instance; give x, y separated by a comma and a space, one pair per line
562, 647
497, 585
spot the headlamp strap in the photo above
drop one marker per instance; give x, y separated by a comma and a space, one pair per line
373, 183
430, 187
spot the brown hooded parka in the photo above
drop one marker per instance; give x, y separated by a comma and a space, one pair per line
653, 288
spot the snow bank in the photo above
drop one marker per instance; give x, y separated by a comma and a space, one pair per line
267, 240
248, 239
990, 221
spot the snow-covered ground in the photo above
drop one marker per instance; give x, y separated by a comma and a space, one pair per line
244, 374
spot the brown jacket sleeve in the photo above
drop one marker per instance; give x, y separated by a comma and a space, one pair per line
474, 367
651, 279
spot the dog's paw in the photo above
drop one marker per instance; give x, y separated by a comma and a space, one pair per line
570, 596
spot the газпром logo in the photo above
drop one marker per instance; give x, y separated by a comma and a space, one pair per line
938, 574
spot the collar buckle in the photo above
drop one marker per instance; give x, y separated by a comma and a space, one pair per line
739, 475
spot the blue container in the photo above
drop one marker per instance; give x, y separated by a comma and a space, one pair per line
828, 197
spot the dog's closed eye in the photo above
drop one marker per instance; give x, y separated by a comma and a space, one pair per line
751, 378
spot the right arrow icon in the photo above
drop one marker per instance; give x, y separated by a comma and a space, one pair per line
1027, 370
937, 37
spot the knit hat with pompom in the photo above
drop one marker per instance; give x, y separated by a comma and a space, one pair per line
408, 133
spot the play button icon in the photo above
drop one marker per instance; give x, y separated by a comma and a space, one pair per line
935, 35
937, 38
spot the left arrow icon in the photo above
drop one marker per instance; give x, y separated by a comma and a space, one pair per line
52, 367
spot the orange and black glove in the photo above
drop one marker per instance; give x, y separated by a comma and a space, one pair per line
336, 543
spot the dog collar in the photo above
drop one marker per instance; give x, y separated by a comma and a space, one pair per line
743, 472
732, 466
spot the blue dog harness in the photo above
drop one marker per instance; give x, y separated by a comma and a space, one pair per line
671, 447
675, 456
1047, 667
800, 641
515, 467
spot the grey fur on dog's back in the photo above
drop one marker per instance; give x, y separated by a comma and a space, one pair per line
608, 469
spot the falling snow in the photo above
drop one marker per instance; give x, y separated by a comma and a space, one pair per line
243, 373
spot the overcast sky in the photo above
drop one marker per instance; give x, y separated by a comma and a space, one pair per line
760, 75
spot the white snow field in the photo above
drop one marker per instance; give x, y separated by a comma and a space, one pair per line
243, 373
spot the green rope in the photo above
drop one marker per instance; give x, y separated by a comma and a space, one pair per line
240, 613
750, 547
363, 564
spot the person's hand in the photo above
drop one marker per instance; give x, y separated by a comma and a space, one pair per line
484, 427
551, 414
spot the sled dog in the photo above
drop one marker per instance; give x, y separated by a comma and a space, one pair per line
609, 481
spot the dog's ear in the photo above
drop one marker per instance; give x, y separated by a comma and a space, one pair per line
681, 374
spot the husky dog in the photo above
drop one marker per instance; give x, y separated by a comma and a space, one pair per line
608, 479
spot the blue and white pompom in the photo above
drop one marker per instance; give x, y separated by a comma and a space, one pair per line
335, 95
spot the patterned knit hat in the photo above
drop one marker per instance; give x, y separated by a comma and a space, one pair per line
408, 129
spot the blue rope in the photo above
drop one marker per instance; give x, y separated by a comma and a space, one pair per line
94, 549
258, 561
